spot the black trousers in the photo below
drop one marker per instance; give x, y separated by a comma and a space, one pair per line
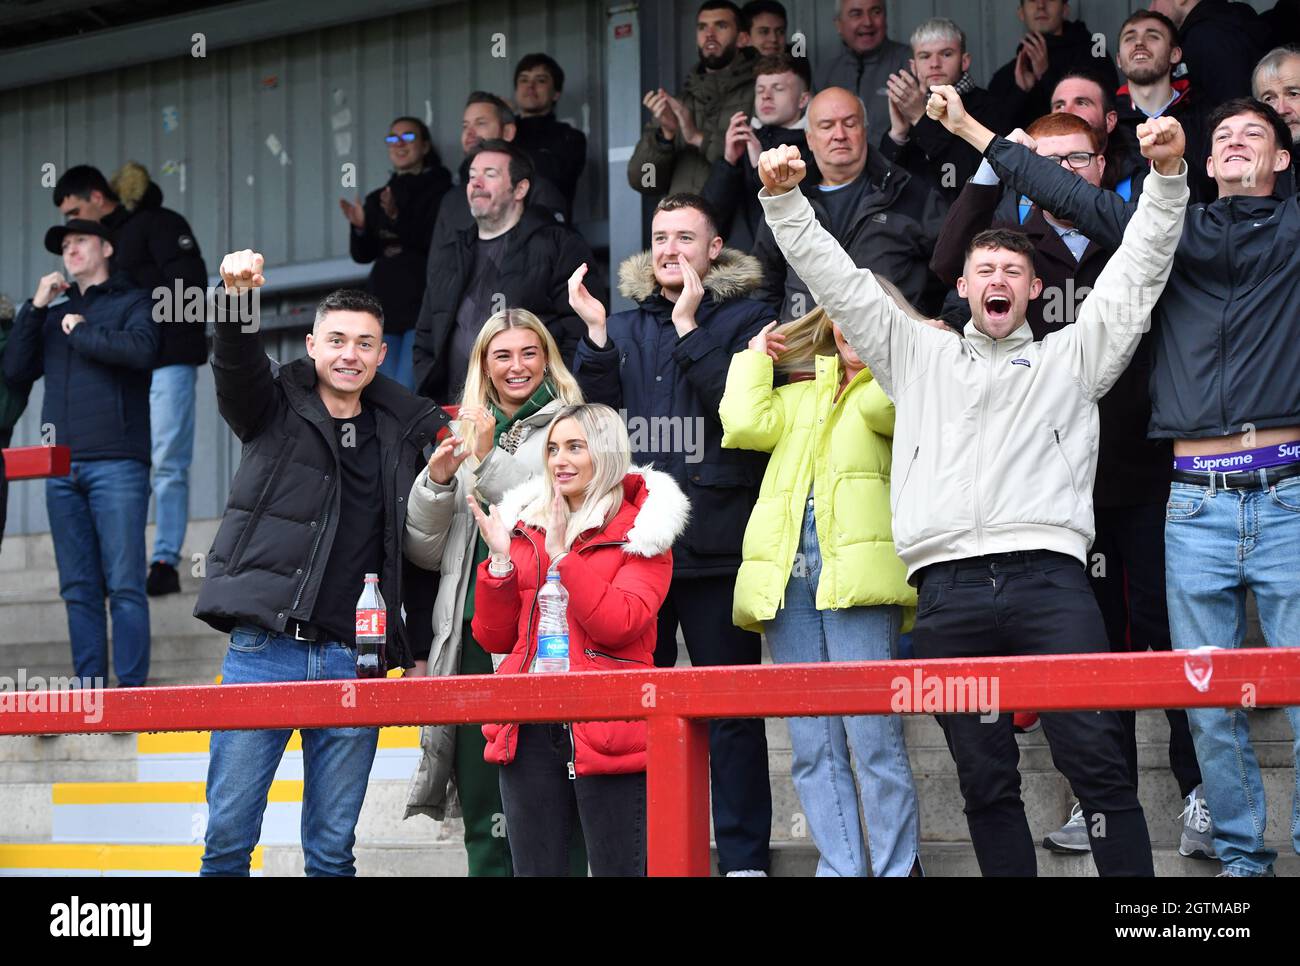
738, 768
543, 807
1034, 603
1127, 573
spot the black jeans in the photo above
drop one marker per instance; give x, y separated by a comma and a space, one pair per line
738, 768
1128, 579
1034, 603
543, 805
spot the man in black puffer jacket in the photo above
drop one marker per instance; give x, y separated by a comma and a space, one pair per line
95, 350
514, 255
155, 246
331, 449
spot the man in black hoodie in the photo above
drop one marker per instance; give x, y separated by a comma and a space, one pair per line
919, 143
1053, 47
393, 229
781, 96
156, 248
1221, 43
558, 150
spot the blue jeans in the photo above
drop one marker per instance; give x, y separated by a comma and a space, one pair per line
1216, 545
399, 363
97, 517
800, 633
171, 421
336, 761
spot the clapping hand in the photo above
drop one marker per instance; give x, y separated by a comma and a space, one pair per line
557, 526
491, 527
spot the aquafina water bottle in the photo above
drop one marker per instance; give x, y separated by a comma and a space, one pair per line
553, 632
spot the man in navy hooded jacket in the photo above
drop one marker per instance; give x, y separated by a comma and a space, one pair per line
664, 364
95, 349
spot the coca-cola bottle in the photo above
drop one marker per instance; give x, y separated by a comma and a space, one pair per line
372, 630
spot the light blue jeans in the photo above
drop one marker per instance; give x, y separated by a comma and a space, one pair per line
97, 515
823, 777
336, 761
171, 421
1216, 545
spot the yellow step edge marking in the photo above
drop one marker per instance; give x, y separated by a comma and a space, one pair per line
108, 858
130, 793
196, 742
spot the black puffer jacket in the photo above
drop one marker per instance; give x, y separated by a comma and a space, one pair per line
267, 560
400, 248
670, 389
156, 247
892, 233
540, 256
1225, 353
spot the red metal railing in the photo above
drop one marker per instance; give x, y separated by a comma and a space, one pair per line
678, 704
36, 462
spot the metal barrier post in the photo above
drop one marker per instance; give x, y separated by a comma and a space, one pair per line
677, 796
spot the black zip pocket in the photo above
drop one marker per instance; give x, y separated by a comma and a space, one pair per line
622, 660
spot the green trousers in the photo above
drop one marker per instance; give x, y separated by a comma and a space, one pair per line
478, 783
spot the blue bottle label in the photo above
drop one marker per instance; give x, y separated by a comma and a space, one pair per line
553, 646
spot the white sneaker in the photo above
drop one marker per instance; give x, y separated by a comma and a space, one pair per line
1072, 837
747, 874
1197, 840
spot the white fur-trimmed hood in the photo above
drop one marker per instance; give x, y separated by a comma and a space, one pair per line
661, 516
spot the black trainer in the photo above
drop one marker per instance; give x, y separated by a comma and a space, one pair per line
162, 579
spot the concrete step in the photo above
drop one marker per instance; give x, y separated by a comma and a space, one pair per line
26, 554
789, 860
67, 758
84, 859
176, 812
35, 621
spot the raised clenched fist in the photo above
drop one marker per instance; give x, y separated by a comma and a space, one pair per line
781, 169
945, 106
242, 271
1162, 142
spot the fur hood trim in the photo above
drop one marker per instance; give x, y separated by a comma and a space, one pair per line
662, 511
130, 184
733, 275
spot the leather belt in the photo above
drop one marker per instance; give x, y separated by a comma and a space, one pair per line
1260, 479
302, 631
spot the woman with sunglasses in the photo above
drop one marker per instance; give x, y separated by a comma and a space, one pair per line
392, 229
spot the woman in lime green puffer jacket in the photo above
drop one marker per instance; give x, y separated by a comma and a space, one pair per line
821, 578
